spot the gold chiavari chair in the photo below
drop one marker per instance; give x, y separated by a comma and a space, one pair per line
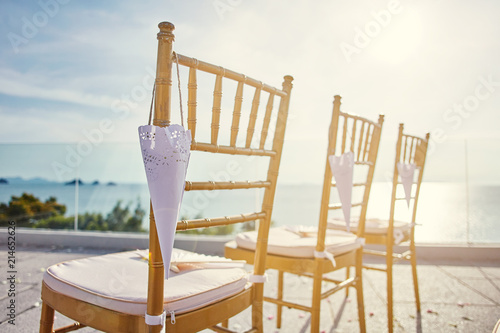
316, 251
411, 154
113, 292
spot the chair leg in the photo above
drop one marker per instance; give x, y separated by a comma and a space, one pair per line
258, 307
316, 301
414, 271
359, 290
280, 297
389, 263
225, 323
46, 319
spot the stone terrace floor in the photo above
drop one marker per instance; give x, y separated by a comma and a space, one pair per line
456, 297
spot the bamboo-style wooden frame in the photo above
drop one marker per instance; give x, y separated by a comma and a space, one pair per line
409, 149
364, 143
209, 316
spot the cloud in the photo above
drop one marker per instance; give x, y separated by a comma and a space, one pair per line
93, 54
14, 84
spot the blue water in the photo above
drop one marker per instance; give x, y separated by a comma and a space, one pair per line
442, 209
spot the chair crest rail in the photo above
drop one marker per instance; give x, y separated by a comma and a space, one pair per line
218, 70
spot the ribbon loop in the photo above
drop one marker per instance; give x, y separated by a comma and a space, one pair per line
157, 320
257, 278
327, 255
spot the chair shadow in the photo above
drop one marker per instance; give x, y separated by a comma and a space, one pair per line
338, 317
419, 322
340, 311
305, 328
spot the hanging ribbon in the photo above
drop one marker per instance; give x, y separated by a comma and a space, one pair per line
165, 152
342, 169
406, 172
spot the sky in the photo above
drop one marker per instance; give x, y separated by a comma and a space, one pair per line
71, 68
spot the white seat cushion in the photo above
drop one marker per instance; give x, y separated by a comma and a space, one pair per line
372, 226
120, 282
300, 241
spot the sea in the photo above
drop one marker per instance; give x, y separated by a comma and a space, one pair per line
448, 213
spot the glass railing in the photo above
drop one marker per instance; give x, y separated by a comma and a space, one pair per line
113, 187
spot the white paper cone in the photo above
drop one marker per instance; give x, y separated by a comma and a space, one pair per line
342, 169
406, 172
165, 152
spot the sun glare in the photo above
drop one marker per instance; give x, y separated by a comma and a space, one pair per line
401, 39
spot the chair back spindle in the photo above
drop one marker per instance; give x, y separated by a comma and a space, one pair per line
238, 101
192, 89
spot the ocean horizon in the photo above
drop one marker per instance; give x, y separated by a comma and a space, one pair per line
442, 215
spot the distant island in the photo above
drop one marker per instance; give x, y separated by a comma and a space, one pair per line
19, 180
73, 182
42, 181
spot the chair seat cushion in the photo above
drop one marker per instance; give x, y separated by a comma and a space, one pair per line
119, 282
372, 226
300, 241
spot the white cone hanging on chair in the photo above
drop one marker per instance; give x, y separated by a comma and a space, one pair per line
165, 152
406, 172
342, 169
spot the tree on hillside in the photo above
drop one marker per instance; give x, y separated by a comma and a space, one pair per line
29, 211
119, 219
27, 208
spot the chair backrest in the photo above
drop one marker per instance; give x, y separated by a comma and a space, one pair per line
409, 150
361, 136
260, 141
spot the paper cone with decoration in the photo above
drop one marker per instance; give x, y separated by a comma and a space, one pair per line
165, 152
406, 172
342, 169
